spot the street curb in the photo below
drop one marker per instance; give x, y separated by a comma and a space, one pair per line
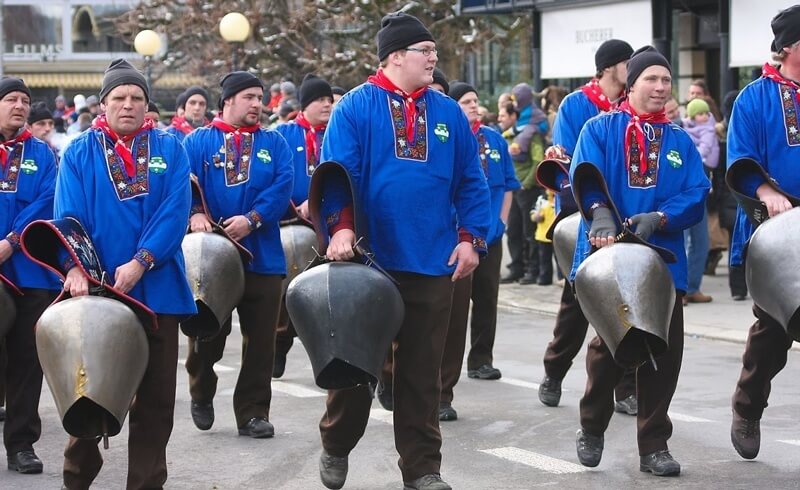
689, 330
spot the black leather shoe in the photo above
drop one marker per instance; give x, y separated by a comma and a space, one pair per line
332, 470
486, 371
511, 277
447, 412
550, 391
745, 436
202, 414
257, 428
629, 405
590, 448
279, 366
660, 463
432, 481
528, 278
385, 396
25, 462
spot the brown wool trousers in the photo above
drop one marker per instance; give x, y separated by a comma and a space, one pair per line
764, 357
654, 388
258, 314
23, 373
568, 336
285, 332
417, 358
484, 289
149, 421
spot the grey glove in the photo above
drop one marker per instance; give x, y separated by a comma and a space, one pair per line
645, 224
603, 224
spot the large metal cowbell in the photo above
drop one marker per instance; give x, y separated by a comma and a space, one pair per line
94, 352
215, 274
772, 269
627, 294
565, 238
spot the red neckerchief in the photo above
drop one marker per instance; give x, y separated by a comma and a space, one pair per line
475, 126
409, 100
120, 146
181, 124
635, 126
312, 150
774, 74
8, 146
237, 132
595, 94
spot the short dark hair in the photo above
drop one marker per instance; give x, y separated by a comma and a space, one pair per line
511, 109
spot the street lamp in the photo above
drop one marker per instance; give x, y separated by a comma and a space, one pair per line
147, 43
234, 28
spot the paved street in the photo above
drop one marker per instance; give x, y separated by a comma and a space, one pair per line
504, 438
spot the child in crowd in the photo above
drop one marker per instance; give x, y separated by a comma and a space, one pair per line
543, 214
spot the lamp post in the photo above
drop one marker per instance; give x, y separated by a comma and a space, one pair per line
147, 43
234, 28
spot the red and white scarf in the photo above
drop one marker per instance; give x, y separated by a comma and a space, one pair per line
312, 150
409, 100
120, 142
594, 92
772, 72
8, 146
475, 126
181, 124
237, 132
635, 127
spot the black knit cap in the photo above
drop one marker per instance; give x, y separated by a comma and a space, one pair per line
400, 30
313, 88
643, 58
152, 107
12, 84
786, 27
120, 72
460, 89
612, 52
336, 90
438, 77
194, 90
180, 101
236, 81
39, 112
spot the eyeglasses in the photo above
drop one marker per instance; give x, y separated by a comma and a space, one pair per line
426, 52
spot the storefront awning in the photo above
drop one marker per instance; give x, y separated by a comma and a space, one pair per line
92, 81
571, 36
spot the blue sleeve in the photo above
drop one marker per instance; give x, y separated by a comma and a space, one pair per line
686, 206
42, 206
271, 202
589, 149
164, 231
568, 124
340, 144
195, 157
69, 200
471, 199
743, 142
512, 183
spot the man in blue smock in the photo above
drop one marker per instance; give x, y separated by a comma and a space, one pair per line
27, 184
655, 178
304, 135
764, 127
598, 95
190, 112
412, 159
127, 183
245, 173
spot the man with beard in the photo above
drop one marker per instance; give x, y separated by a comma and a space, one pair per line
128, 185
598, 95
304, 135
245, 173
193, 103
27, 184
409, 150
